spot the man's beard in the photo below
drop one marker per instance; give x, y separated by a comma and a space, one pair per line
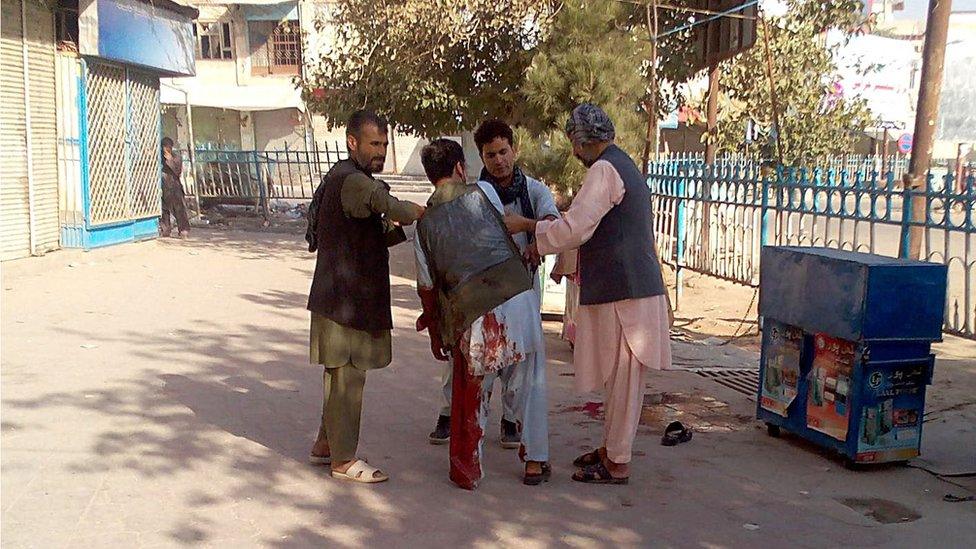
371, 165
585, 162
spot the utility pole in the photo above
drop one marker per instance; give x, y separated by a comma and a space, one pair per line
711, 120
930, 87
653, 136
711, 112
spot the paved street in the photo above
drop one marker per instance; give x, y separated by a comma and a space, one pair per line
158, 394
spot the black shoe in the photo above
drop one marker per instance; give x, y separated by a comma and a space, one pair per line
510, 437
442, 433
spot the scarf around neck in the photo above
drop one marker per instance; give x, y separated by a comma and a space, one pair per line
519, 189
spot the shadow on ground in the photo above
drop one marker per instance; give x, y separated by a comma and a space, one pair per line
217, 411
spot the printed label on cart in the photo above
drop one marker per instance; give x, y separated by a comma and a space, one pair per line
781, 367
891, 416
828, 398
906, 380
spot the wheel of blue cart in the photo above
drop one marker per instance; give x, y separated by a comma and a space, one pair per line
772, 430
852, 465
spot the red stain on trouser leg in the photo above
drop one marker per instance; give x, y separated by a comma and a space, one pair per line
465, 430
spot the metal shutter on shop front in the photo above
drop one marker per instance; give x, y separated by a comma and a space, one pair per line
14, 208
15, 199
44, 139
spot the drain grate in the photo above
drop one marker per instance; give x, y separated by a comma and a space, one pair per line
740, 380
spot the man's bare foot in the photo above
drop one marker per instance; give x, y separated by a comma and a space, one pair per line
342, 466
618, 470
321, 448
591, 458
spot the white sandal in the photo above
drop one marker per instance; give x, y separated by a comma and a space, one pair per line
360, 471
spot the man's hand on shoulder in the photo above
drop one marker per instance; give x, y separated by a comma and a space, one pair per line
419, 210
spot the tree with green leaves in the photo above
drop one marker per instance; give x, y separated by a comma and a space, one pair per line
815, 117
594, 54
436, 68
602, 52
432, 67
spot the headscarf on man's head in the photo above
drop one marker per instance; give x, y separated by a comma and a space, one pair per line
589, 123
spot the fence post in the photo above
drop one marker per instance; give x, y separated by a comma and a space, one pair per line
764, 221
904, 249
679, 230
262, 192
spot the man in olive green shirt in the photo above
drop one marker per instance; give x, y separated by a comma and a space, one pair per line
352, 220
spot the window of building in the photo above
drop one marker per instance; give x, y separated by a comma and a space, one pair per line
66, 25
213, 41
276, 48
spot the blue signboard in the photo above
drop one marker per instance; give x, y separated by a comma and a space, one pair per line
139, 33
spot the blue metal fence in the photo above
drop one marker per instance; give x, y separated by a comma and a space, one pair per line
714, 219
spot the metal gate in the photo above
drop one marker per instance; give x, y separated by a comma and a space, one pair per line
123, 144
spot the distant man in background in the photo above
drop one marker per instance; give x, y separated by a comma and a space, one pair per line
173, 192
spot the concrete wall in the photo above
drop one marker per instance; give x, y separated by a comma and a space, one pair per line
279, 130
175, 126
217, 128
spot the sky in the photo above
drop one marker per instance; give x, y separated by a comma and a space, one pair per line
916, 9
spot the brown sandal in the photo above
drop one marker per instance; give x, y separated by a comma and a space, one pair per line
598, 474
587, 459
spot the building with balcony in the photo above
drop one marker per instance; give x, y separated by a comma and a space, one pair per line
243, 96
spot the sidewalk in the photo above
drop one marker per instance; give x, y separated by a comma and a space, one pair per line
158, 394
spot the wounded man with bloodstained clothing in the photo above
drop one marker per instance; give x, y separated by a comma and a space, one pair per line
480, 311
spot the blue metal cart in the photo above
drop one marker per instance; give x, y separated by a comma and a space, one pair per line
846, 349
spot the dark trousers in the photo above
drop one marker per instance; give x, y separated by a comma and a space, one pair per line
173, 204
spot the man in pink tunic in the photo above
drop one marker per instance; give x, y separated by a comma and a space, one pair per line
622, 324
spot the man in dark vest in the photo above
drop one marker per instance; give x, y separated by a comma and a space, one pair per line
622, 325
352, 220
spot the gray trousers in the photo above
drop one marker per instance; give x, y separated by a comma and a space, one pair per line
509, 389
